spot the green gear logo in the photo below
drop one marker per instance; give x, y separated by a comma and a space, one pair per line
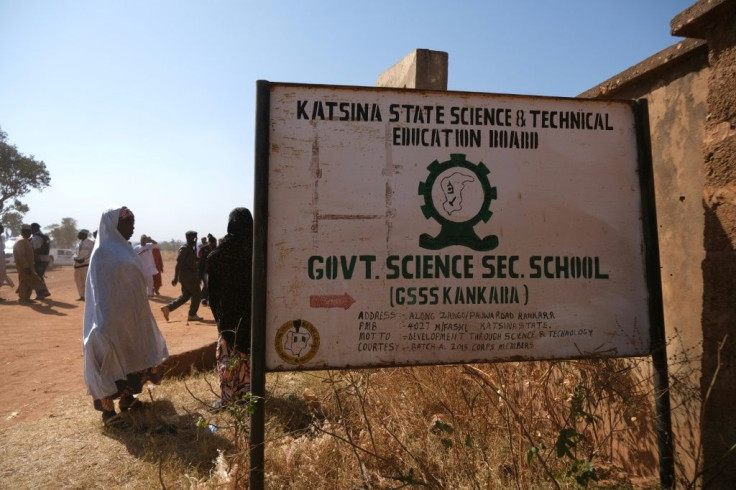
457, 194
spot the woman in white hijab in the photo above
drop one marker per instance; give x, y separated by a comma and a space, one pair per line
122, 343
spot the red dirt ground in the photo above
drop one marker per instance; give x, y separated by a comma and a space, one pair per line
41, 346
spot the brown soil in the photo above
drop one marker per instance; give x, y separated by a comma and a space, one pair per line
41, 348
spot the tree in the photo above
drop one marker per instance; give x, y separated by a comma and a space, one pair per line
19, 174
12, 221
64, 235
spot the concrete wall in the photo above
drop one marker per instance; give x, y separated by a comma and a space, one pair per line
691, 90
674, 82
421, 69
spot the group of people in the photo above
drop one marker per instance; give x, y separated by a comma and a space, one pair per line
123, 346
190, 272
31, 256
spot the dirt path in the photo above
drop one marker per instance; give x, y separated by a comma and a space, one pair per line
41, 346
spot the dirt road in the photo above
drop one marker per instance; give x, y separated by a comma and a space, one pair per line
41, 344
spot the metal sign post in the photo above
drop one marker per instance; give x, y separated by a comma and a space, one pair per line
260, 257
663, 413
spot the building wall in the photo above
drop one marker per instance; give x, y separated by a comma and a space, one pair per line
677, 117
718, 383
691, 92
675, 85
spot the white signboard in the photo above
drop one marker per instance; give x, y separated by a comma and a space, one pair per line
411, 227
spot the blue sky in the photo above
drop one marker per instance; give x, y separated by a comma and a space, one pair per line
151, 103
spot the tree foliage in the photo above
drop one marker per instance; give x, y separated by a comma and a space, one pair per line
12, 221
19, 174
63, 235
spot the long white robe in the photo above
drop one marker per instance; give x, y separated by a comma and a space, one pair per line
145, 253
120, 332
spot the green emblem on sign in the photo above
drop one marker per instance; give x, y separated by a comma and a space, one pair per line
457, 194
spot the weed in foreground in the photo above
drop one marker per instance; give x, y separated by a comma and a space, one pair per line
513, 425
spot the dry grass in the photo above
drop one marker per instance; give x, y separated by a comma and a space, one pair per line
451, 427
72, 449
447, 427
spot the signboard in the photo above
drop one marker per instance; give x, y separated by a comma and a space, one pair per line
411, 227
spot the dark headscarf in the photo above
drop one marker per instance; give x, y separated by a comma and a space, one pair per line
240, 221
230, 269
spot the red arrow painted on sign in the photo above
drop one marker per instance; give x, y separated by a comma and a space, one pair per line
331, 301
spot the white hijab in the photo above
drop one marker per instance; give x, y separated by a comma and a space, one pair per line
121, 336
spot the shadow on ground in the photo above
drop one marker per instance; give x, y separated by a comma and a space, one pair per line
154, 432
295, 414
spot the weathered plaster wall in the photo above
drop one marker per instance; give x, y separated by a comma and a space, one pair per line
675, 85
677, 116
691, 89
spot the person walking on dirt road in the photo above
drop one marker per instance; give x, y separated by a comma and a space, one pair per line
41, 244
187, 273
81, 261
28, 278
123, 346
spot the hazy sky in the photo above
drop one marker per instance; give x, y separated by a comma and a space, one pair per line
151, 103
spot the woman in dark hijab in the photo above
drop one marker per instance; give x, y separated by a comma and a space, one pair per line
230, 270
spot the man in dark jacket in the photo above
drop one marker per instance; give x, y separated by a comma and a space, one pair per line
204, 251
186, 273
230, 270
41, 247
